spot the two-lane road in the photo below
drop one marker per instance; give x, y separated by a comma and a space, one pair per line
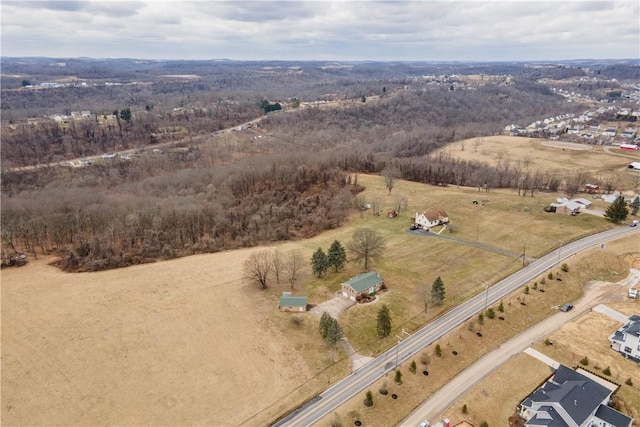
340, 392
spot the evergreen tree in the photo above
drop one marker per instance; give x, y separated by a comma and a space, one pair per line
617, 211
336, 256
125, 114
384, 321
437, 291
635, 205
325, 320
334, 332
319, 262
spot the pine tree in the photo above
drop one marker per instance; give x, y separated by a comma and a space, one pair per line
437, 291
635, 205
384, 321
617, 211
325, 321
319, 263
336, 256
334, 333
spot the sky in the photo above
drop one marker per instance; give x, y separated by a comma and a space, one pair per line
356, 30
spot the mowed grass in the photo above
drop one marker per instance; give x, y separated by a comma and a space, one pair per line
611, 264
542, 155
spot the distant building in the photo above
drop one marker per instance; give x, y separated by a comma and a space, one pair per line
291, 303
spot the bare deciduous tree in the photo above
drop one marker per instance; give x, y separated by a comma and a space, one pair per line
277, 262
294, 265
257, 268
365, 244
400, 203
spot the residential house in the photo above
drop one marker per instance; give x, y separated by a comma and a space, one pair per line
570, 398
626, 340
291, 303
609, 132
566, 207
610, 198
431, 218
367, 283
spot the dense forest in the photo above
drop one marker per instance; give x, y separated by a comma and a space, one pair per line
292, 175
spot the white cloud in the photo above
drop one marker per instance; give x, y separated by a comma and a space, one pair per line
342, 30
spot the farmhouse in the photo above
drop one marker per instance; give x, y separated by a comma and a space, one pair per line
431, 218
626, 340
367, 283
565, 206
291, 303
570, 398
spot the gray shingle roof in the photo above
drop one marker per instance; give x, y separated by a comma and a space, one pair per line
613, 417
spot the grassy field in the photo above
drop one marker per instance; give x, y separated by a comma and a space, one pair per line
188, 342
545, 155
612, 265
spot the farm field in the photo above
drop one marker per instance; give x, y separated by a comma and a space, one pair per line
545, 155
186, 341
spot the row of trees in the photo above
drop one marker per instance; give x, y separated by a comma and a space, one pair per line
336, 258
260, 266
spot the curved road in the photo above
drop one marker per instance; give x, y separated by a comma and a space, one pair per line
340, 392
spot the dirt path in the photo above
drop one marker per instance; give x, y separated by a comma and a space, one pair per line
595, 293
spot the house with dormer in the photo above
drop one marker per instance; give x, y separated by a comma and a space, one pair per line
572, 399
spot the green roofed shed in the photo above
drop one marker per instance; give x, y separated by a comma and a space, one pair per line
291, 303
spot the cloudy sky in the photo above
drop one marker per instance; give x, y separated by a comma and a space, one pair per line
326, 30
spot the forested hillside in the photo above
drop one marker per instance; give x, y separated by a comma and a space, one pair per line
289, 176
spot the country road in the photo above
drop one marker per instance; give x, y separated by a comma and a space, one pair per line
340, 392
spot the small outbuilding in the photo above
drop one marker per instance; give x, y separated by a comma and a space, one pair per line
367, 283
291, 303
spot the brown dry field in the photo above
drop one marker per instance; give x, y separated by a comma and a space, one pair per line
545, 155
179, 342
611, 265
186, 341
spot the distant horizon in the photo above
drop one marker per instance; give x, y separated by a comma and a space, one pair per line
432, 61
347, 30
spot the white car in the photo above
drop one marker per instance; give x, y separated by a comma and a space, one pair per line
425, 423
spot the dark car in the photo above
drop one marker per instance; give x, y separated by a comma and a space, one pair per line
566, 307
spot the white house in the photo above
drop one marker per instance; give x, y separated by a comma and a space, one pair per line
570, 398
626, 340
431, 218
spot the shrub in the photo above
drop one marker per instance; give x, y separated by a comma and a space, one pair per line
606, 371
543, 281
526, 290
398, 378
550, 276
547, 341
413, 367
368, 401
501, 307
336, 422
628, 381
490, 313
383, 389
464, 408
565, 267
484, 424
425, 359
481, 319
584, 361
438, 350
535, 286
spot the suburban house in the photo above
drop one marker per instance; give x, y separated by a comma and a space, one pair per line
431, 218
565, 206
368, 283
571, 398
626, 340
291, 303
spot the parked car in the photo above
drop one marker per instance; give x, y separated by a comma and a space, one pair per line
425, 423
566, 307
634, 223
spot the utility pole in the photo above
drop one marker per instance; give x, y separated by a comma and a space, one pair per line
524, 254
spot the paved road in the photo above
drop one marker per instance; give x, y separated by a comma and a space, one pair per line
446, 396
334, 396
